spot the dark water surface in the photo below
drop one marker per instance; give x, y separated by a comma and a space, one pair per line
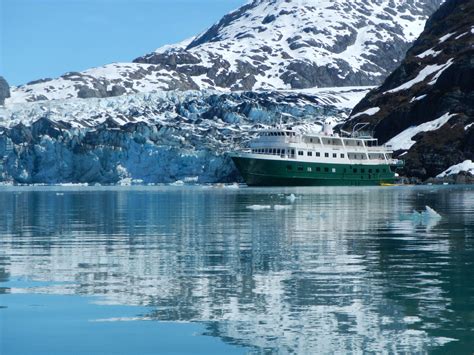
147, 270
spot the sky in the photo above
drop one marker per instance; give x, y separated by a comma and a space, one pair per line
47, 38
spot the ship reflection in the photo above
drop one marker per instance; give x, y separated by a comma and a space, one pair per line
338, 270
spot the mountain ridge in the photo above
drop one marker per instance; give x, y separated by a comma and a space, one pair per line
264, 45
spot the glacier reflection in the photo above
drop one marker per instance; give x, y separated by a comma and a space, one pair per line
339, 271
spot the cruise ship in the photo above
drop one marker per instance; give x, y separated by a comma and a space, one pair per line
285, 157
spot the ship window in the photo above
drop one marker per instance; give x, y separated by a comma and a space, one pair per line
310, 154
334, 155
309, 169
362, 171
342, 156
377, 171
300, 168
326, 170
333, 170
311, 140
370, 171
292, 152
318, 169
300, 152
354, 170
384, 170
326, 155
358, 143
318, 154
289, 167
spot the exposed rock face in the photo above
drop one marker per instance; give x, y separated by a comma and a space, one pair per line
4, 90
429, 99
264, 45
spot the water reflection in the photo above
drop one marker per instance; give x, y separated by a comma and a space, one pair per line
341, 270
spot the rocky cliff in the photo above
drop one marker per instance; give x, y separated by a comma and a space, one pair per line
4, 90
425, 108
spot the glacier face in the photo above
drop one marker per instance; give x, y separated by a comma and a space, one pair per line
158, 137
264, 45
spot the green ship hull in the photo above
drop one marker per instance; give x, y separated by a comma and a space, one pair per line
266, 172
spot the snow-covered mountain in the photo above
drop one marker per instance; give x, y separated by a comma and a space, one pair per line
432, 126
154, 137
265, 44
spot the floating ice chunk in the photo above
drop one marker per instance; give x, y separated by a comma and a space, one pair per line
416, 216
443, 340
72, 184
232, 186
125, 182
321, 215
431, 213
121, 319
411, 319
282, 207
258, 207
291, 198
191, 179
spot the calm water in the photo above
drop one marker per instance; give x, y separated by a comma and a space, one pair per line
195, 270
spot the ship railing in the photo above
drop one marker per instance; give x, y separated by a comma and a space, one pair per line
287, 140
397, 163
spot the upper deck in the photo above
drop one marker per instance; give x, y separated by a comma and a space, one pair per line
320, 147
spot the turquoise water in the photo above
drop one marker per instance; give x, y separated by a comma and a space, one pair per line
185, 270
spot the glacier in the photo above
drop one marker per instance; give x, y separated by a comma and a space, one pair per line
160, 137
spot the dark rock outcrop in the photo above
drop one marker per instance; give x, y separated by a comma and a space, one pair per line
4, 90
435, 78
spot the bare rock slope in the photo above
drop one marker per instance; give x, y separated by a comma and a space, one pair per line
425, 108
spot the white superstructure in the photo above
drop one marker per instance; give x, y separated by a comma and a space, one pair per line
327, 148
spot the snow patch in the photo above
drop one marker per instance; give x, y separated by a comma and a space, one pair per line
445, 37
429, 53
422, 75
418, 98
466, 166
369, 112
403, 141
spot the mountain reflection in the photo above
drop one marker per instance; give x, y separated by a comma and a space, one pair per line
340, 270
